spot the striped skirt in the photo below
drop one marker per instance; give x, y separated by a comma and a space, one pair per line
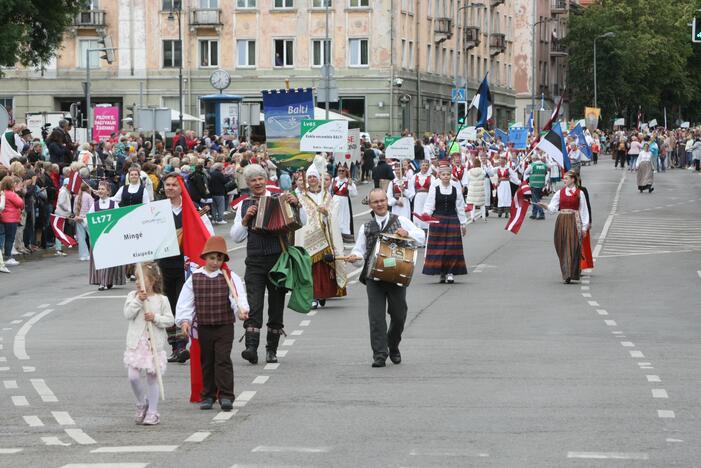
568, 244
106, 276
444, 253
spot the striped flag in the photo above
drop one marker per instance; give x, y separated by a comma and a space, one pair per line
58, 225
74, 182
554, 145
519, 208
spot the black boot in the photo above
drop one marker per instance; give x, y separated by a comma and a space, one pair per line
273, 339
250, 354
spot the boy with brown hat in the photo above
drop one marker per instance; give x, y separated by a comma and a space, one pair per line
208, 303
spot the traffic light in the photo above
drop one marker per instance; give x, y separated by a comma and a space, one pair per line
106, 43
695, 32
462, 112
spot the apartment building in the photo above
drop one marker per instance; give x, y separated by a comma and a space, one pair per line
395, 61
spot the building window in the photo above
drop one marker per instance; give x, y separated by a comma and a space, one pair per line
404, 56
171, 5
83, 46
283, 4
358, 52
8, 103
429, 58
354, 106
320, 54
359, 3
210, 4
209, 53
245, 53
245, 3
284, 52
411, 55
172, 54
321, 3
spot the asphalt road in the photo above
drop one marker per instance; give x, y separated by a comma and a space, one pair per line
507, 368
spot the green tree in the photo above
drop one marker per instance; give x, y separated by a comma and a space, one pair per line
650, 64
32, 30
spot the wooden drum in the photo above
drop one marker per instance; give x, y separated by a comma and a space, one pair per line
392, 260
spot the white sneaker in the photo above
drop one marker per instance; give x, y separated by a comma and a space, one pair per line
14, 251
449, 278
4, 270
11, 262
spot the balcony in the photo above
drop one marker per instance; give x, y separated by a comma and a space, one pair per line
90, 19
471, 37
443, 27
205, 18
497, 44
558, 6
558, 48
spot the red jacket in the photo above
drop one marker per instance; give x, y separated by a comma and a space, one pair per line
14, 204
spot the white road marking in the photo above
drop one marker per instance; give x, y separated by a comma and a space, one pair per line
282, 353
586, 294
10, 384
665, 414
53, 440
43, 306
653, 378
63, 418
224, 416
311, 313
260, 380
609, 219
698, 272
647, 367
16, 322
102, 297
659, 393
593, 303
28, 314
296, 332
288, 342
7, 329
105, 465
246, 396
43, 390
447, 453
584, 288
9, 451
611, 323
273, 449
240, 404
71, 299
585, 281
3, 359
198, 436
609, 455
29, 368
20, 400
33, 421
272, 365
19, 344
79, 436
636, 354
674, 440
601, 312
136, 449
627, 344
617, 332
644, 364
4, 369
305, 323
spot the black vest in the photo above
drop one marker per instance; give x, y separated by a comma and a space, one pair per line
129, 199
259, 243
372, 232
445, 204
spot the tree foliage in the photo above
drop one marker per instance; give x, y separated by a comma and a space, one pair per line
650, 64
32, 30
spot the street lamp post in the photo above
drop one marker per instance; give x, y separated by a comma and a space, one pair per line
607, 34
171, 17
463, 50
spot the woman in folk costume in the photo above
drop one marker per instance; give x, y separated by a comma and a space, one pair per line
643, 164
421, 181
321, 237
342, 189
107, 277
572, 222
475, 190
399, 194
504, 197
444, 252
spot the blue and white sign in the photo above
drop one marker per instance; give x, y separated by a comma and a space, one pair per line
518, 136
457, 95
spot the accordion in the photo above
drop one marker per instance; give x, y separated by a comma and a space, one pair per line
276, 216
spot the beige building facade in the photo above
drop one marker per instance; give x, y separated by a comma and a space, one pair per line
395, 62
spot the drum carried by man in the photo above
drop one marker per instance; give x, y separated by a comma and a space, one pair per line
383, 245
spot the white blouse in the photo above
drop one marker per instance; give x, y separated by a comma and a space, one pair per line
430, 204
554, 206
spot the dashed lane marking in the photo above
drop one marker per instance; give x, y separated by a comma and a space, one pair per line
19, 400
28, 314
16, 322
19, 346
272, 365
601, 312
636, 354
106, 465
9, 451
653, 378
608, 455
611, 323
28, 368
246, 396
198, 436
136, 449
260, 380
223, 416
53, 440
666, 414
4, 369
447, 453
288, 342
593, 303
79, 436
33, 421
275, 449
305, 323
43, 306
659, 393
311, 313
296, 332
586, 294
10, 384
609, 219
627, 344
43, 390
63, 418
282, 353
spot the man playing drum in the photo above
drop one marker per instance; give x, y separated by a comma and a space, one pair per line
384, 342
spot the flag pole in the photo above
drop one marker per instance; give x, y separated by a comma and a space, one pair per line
151, 337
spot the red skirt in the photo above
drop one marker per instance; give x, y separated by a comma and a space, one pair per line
325, 281
587, 260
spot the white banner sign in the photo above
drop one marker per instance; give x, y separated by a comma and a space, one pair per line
652, 123
353, 154
468, 134
399, 147
324, 135
619, 122
685, 124
138, 233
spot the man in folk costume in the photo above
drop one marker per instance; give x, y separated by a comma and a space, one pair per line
421, 181
342, 189
383, 298
444, 251
504, 175
399, 193
262, 253
321, 237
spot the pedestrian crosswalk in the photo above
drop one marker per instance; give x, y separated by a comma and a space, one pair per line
635, 235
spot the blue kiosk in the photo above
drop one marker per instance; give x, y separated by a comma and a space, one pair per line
221, 114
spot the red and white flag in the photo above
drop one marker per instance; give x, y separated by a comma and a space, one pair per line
519, 208
58, 224
74, 182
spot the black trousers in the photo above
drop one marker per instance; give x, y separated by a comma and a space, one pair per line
215, 358
620, 158
385, 298
173, 281
256, 278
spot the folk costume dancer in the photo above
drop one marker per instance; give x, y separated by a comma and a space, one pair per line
383, 298
342, 189
321, 237
504, 197
643, 164
262, 252
399, 194
421, 181
444, 251
572, 222
207, 300
105, 278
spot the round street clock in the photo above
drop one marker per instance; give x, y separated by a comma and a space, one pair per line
220, 79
